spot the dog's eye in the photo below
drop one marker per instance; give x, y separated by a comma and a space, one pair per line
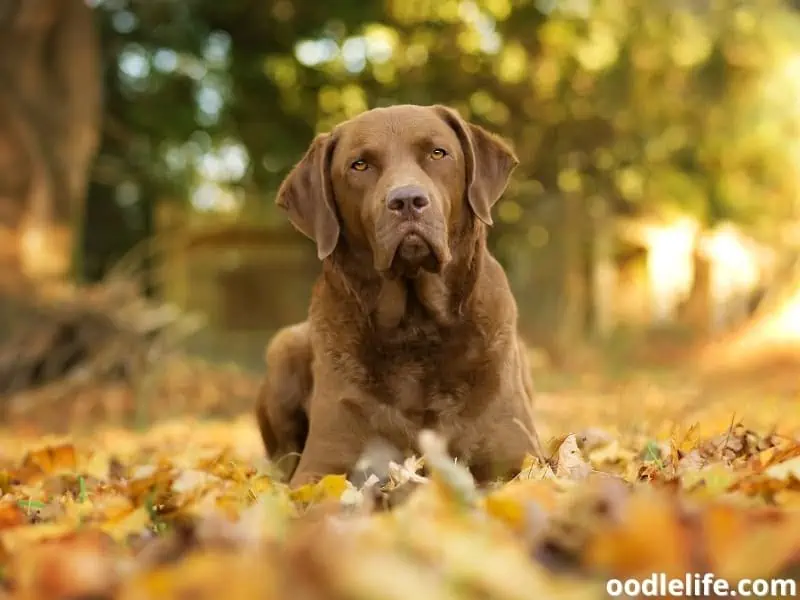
438, 153
359, 165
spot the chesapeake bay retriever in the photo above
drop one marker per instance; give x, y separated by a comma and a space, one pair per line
412, 324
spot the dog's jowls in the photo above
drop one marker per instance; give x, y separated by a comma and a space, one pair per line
412, 324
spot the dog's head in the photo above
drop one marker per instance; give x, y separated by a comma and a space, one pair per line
397, 181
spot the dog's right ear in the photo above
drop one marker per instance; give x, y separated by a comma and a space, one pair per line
307, 196
490, 162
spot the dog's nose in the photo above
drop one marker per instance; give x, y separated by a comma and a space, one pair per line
407, 200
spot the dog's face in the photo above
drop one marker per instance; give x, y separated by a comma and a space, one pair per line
397, 181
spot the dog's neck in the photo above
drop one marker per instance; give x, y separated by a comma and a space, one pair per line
386, 301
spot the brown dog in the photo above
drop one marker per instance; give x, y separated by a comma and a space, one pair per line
412, 324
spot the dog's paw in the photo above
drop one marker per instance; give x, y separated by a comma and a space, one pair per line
373, 466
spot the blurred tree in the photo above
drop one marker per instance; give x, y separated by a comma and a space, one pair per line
50, 100
613, 105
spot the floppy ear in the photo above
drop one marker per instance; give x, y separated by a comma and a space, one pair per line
490, 162
307, 196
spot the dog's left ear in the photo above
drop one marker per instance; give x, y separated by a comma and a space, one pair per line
307, 195
490, 162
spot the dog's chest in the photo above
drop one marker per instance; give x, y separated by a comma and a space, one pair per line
424, 371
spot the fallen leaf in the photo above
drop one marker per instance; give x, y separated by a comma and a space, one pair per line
710, 481
124, 524
594, 438
49, 460
78, 565
571, 464
750, 544
11, 515
511, 503
649, 537
785, 471
330, 487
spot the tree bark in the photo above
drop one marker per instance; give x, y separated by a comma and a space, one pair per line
575, 293
604, 275
697, 307
50, 119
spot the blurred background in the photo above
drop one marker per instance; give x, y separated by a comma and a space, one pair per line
654, 217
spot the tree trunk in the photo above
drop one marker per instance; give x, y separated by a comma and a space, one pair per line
575, 291
50, 118
697, 308
604, 275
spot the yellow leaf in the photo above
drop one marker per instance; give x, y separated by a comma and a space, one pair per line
530, 463
330, 487
710, 481
11, 515
765, 457
134, 522
96, 466
212, 574
786, 471
749, 543
509, 503
192, 480
52, 459
112, 507
15, 540
75, 510
651, 537
149, 480
533, 468
611, 453
685, 442
571, 464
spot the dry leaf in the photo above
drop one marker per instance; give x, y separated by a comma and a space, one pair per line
512, 502
650, 537
786, 471
571, 464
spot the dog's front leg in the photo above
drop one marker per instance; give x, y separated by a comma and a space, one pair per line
508, 435
336, 439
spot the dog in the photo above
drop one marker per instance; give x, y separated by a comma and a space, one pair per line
412, 324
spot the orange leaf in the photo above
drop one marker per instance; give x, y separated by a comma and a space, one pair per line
11, 515
51, 459
509, 503
749, 543
76, 565
650, 538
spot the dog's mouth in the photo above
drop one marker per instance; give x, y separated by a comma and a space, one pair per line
412, 254
410, 251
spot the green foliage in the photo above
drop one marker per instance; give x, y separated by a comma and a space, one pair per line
689, 106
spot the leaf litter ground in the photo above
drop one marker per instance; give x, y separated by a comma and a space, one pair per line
649, 475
